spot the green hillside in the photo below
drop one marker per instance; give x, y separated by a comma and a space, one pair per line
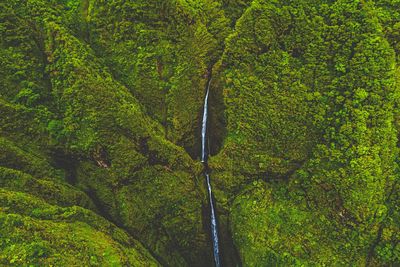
101, 108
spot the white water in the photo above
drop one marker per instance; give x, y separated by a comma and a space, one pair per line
204, 126
214, 229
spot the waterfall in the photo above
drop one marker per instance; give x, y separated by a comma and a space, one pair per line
214, 229
204, 156
204, 126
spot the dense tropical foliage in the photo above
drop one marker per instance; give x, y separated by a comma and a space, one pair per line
100, 115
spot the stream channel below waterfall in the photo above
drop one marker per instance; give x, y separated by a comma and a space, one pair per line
204, 156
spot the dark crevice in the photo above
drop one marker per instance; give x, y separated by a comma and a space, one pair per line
216, 122
69, 165
205, 212
229, 252
102, 212
212, 221
100, 208
65, 162
207, 226
215, 134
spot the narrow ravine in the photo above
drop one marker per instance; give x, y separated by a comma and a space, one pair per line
204, 157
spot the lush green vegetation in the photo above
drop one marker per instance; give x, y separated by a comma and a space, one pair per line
100, 114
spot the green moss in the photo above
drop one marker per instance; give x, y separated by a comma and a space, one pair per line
22, 61
63, 236
53, 191
12, 156
267, 102
270, 229
310, 84
163, 58
304, 95
164, 208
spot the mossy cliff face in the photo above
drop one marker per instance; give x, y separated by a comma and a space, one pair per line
116, 156
46, 221
311, 101
162, 52
101, 105
63, 236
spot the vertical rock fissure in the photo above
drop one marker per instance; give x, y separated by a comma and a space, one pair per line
204, 157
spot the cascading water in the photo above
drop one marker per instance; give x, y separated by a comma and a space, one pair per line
204, 155
204, 127
214, 229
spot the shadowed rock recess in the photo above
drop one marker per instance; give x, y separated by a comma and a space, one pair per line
101, 106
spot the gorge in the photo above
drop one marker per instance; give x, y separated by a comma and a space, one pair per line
204, 156
117, 148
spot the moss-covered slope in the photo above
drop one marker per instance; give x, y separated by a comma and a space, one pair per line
100, 114
93, 132
311, 102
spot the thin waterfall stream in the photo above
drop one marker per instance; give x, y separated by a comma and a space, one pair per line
204, 157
